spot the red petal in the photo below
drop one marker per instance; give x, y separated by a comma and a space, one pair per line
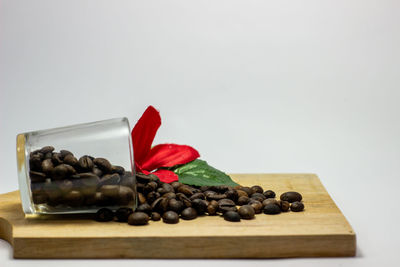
166, 176
168, 155
144, 132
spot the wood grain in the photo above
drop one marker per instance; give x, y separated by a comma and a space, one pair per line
319, 231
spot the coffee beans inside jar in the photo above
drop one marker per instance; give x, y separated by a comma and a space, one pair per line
172, 202
60, 181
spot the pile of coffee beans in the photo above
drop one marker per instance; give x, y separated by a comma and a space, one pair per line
175, 201
61, 181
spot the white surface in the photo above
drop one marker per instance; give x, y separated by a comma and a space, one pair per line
255, 86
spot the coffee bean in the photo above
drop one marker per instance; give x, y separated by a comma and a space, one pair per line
104, 215
184, 189
284, 205
65, 185
97, 199
270, 201
109, 179
246, 212
257, 189
151, 186
138, 218
176, 185
125, 195
225, 205
62, 171
291, 196
48, 155
53, 192
103, 164
122, 214
297, 206
70, 160
232, 194
169, 195
152, 196
85, 163
257, 205
47, 166
141, 198
182, 197
197, 196
241, 193
155, 216
128, 180
204, 188
200, 206
215, 196
146, 208
40, 198
117, 169
56, 159
272, 209
232, 216
220, 188
46, 149
212, 207
170, 217
111, 191
35, 163
243, 200
189, 214
269, 194
247, 189
37, 177
175, 205
97, 171
258, 196
74, 198
64, 153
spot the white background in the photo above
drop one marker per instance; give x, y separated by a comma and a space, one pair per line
255, 86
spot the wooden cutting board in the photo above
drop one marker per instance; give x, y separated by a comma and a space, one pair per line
320, 230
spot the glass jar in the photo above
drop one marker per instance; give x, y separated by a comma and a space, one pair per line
77, 169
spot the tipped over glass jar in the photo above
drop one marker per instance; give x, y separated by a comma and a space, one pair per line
77, 169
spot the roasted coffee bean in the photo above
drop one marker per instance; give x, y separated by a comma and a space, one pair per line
169, 195
47, 166
103, 164
189, 214
118, 169
241, 193
232, 194
152, 196
53, 192
141, 198
122, 214
160, 205
246, 212
146, 208
269, 194
182, 197
64, 153
297, 206
74, 198
257, 189
138, 218
46, 149
257, 205
104, 215
128, 180
225, 205
220, 188
56, 159
61, 171
176, 185
170, 217
35, 163
48, 155
151, 186
204, 188
97, 199
110, 191
215, 196
243, 200
40, 198
212, 207
97, 171
284, 205
258, 196
37, 177
71, 160
184, 189
270, 201
155, 216
165, 188
175, 205
232, 216
291, 196
272, 209
247, 189
197, 196
85, 163
109, 179
125, 195
200, 206
145, 178
65, 185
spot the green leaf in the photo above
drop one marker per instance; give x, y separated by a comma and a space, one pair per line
198, 172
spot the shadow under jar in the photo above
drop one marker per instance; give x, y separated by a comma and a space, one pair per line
77, 169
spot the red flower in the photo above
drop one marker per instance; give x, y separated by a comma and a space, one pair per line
148, 159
